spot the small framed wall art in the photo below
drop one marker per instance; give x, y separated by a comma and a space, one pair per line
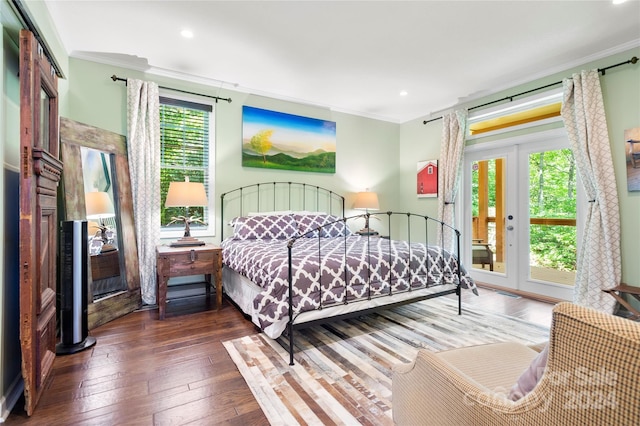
632, 155
427, 179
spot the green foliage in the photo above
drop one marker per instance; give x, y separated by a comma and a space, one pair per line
323, 163
552, 184
261, 143
552, 194
184, 139
553, 247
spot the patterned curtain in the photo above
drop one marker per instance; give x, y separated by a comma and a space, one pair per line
599, 264
454, 130
143, 147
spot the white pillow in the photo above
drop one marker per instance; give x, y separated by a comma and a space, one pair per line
274, 213
531, 376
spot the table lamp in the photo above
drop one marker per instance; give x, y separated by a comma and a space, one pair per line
186, 194
366, 201
99, 206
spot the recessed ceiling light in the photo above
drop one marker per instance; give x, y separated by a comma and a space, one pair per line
186, 33
619, 1
403, 93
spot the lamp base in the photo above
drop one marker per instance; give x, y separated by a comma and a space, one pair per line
367, 231
187, 242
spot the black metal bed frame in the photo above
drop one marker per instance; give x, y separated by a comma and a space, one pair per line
288, 203
312, 197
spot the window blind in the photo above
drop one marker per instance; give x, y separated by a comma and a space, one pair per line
184, 150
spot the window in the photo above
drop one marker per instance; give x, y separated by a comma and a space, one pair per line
516, 115
186, 151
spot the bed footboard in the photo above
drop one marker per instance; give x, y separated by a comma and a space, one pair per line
388, 271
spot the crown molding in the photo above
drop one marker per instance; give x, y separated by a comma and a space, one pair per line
137, 63
534, 77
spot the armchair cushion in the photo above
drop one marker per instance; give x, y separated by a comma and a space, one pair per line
495, 366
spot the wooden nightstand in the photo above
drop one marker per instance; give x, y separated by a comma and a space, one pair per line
105, 265
183, 261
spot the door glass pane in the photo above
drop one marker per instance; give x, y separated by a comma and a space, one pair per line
552, 214
488, 203
44, 120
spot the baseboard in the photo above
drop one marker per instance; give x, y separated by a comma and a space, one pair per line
525, 294
9, 400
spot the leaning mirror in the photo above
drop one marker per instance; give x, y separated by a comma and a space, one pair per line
102, 223
96, 188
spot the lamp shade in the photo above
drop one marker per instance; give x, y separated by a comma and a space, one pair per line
186, 194
98, 205
366, 201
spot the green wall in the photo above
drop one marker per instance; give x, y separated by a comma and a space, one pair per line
371, 153
367, 149
10, 351
621, 93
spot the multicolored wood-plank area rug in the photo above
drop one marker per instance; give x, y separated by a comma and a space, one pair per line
342, 374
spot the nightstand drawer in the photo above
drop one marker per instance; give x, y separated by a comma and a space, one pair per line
191, 263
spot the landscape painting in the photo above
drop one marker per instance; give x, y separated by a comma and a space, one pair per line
275, 140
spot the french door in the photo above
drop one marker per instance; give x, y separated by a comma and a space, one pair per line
521, 214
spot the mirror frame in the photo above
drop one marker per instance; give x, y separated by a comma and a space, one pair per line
73, 136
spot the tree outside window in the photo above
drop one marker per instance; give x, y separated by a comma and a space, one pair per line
184, 144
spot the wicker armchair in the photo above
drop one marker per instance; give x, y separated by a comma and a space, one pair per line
592, 378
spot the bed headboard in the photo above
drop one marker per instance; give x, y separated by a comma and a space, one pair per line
277, 196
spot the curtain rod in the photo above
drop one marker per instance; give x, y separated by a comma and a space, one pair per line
510, 98
217, 98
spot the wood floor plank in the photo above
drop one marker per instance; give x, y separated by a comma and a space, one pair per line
143, 371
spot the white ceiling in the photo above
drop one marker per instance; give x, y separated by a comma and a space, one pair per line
351, 56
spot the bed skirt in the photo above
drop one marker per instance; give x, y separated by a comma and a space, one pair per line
242, 291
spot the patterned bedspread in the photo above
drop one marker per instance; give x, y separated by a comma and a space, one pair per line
328, 271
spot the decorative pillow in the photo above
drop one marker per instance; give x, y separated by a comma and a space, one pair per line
331, 226
270, 227
336, 228
531, 376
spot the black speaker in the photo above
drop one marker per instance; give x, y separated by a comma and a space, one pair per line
72, 288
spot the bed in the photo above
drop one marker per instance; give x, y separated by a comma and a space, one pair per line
292, 261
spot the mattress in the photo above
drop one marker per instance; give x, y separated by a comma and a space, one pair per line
332, 274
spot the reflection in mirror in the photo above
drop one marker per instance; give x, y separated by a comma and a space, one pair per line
100, 207
102, 223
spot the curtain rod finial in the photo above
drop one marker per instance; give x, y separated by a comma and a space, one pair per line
114, 77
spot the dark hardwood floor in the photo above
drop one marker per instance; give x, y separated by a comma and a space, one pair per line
175, 372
